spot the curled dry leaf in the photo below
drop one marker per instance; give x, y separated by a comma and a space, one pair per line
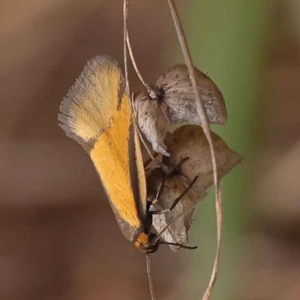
173, 188
152, 122
175, 103
190, 141
179, 98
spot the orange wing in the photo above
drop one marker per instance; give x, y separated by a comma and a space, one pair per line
97, 114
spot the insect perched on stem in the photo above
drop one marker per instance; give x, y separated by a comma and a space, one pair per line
97, 114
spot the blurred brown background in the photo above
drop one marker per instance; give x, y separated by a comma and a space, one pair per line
59, 238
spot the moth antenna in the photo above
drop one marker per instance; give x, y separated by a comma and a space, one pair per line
180, 245
206, 129
150, 282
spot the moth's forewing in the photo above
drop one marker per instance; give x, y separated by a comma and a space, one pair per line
97, 114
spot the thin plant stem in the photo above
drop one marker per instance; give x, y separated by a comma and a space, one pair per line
152, 94
148, 267
206, 128
125, 20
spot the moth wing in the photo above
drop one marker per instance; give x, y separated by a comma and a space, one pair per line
97, 114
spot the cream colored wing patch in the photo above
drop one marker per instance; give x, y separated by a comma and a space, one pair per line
92, 101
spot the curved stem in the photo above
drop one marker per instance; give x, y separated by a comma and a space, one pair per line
205, 125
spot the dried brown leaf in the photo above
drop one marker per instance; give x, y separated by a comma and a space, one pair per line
175, 104
179, 98
174, 187
190, 141
152, 122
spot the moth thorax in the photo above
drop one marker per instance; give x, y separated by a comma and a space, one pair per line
144, 243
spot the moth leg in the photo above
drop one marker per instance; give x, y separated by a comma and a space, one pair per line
160, 191
176, 201
161, 186
168, 175
174, 170
179, 245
